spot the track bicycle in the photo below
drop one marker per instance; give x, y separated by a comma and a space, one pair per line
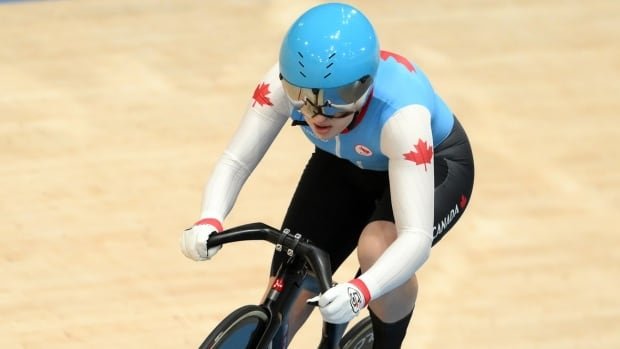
263, 326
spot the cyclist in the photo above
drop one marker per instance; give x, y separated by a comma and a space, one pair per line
391, 173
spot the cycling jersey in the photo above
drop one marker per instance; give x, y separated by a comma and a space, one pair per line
397, 131
398, 84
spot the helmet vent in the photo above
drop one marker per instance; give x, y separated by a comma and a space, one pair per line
329, 65
329, 46
301, 64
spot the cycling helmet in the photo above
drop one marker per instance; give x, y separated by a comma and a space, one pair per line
330, 45
328, 60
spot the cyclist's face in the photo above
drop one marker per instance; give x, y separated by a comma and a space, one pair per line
328, 128
329, 111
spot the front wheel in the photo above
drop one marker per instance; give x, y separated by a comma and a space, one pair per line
241, 329
359, 336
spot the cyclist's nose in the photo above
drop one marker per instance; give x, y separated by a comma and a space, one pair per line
320, 117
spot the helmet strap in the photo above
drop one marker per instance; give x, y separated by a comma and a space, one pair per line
299, 123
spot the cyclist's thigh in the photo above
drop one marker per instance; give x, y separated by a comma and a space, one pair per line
454, 176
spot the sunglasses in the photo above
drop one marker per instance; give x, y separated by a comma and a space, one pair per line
333, 103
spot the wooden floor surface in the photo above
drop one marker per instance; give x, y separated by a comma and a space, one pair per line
112, 114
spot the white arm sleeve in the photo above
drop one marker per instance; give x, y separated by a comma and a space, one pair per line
262, 122
408, 132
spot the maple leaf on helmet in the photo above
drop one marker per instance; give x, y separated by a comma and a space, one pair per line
422, 155
260, 95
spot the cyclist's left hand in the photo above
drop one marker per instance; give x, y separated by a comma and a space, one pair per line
342, 302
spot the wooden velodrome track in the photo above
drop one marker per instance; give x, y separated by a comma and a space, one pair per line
112, 114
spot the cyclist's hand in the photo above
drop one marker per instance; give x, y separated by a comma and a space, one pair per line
342, 302
194, 240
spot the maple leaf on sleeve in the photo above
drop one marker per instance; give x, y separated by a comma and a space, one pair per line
260, 95
422, 155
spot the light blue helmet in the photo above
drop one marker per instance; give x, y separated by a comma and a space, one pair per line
330, 45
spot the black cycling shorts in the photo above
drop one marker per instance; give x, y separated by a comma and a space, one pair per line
335, 199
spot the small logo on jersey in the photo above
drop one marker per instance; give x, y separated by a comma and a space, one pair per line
445, 221
260, 95
421, 155
363, 150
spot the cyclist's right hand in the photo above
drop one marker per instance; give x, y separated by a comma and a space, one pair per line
194, 240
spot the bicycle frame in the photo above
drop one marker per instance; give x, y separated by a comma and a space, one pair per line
304, 258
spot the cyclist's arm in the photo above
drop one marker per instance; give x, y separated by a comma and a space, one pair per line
266, 114
411, 173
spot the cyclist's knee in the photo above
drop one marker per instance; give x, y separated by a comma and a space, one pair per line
397, 303
376, 237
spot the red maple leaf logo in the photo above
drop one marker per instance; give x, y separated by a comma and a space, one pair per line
422, 155
463, 202
400, 59
260, 95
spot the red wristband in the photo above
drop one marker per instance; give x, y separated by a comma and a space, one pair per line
362, 287
211, 221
